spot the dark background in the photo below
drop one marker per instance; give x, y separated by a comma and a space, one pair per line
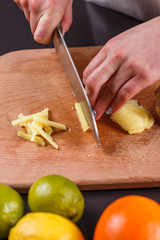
92, 25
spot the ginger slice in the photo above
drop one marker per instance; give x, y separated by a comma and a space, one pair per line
81, 116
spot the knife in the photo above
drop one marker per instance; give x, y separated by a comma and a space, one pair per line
75, 81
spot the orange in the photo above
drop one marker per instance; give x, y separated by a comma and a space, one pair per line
129, 218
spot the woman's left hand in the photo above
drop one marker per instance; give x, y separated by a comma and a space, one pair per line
126, 64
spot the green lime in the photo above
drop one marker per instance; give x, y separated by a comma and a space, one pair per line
12, 208
56, 194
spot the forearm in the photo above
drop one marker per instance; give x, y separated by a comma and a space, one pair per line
140, 9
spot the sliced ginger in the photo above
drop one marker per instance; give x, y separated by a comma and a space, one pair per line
37, 124
133, 117
81, 116
31, 138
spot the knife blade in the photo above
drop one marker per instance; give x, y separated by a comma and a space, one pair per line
75, 81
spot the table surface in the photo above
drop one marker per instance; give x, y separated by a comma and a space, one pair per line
15, 35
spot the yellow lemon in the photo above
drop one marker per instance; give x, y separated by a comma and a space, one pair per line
12, 208
45, 226
56, 194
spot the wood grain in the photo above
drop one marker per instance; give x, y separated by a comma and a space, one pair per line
31, 80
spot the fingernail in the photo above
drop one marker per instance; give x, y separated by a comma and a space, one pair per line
94, 113
63, 32
109, 111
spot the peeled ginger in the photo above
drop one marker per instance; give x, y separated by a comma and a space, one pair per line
133, 117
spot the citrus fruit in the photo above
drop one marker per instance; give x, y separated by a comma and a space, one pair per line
129, 218
56, 194
12, 208
46, 226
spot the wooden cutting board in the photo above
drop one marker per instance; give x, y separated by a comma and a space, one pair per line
31, 80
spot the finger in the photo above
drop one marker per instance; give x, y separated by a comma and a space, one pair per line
18, 3
44, 19
46, 25
126, 92
100, 77
27, 14
34, 19
95, 63
67, 18
111, 89
129, 90
35, 14
25, 8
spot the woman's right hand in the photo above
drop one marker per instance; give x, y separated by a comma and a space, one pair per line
45, 15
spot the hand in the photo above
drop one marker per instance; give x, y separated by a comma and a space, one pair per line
45, 15
127, 64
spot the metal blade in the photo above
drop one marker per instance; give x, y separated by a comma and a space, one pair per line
75, 81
